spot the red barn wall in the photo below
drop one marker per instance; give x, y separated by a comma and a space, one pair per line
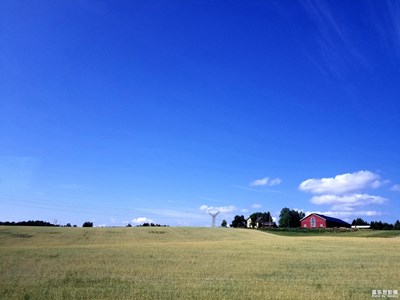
318, 222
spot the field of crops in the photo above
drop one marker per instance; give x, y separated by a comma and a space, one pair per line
191, 263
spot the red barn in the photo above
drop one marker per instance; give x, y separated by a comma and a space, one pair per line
317, 220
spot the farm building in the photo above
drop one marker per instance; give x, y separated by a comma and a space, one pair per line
361, 226
260, 223
317, 220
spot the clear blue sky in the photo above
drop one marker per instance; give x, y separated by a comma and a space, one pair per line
128, 111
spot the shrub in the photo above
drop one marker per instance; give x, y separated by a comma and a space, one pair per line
87, 224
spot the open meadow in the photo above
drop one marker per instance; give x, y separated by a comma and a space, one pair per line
191, 263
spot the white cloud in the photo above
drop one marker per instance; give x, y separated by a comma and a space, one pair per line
275, 181
256, 205
141, 220
395, 188
348, 205
342, 184
260, 182
347, 214
343, 193
222, 209
348, 200
266, 181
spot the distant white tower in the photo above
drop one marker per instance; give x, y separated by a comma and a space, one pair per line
213, 217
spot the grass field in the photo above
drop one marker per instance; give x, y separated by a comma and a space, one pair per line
191, 263
335, 233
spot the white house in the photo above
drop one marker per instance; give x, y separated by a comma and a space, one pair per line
260, 223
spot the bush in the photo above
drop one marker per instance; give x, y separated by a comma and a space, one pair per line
87, 224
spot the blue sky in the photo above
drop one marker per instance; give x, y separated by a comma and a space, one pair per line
129, 111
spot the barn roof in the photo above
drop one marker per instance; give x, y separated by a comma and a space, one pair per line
329, 219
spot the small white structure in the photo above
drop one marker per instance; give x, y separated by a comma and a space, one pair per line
249, 223
361, 226
259, 223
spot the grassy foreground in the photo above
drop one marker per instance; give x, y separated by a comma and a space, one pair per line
191, 263
335, 232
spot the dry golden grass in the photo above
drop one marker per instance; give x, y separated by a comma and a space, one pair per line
191, 263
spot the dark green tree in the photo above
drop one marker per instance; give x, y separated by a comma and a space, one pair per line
376, 225
296, 216
284, 217
224, 223
87, 224
397, 225
381, 226
359, 221
262, 217
387, 226
290, 218
238, 221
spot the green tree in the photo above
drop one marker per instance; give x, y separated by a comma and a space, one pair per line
284, 217
224, 223
359, 221
290, 218
87, 224
387, 226
296, 217
263, 217
238, 221
397, 225
381, 226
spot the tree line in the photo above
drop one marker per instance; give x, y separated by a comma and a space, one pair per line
379, 225
85, 224
41, 223
290, 218
28, 223
287, 218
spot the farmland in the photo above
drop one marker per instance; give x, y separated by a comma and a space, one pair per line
191, 263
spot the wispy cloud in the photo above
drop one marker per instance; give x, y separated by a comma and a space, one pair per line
266, 181
336, 45
385, 20
222, 209
256, 205
395, 188
246, 188
394, 12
